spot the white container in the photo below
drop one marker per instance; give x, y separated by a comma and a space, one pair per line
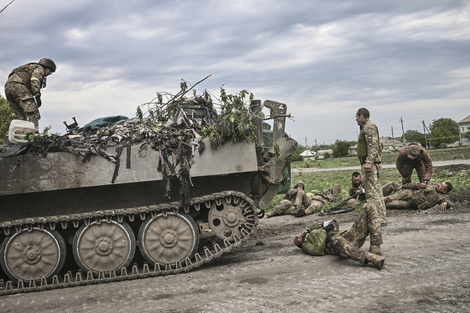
19, 131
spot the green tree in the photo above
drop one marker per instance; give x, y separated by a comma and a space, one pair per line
415, 136
296, 154
342, 148
5, 119
443, 131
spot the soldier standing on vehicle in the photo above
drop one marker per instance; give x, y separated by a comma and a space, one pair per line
329, 239
413, 156
368, 152
23, 89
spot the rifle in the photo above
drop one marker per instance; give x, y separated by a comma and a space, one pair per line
333, 211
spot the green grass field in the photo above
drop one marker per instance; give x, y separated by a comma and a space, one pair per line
315, 182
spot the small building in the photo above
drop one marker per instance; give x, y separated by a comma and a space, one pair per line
308, 155
464, 128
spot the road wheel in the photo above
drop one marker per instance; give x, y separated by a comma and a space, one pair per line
104, 247
32, 255
168, 239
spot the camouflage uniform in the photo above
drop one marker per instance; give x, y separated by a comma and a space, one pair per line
347, 243
322, 197
414, 156
23, 85
292, 197
412, 197
387, 190
353, 190
368, 151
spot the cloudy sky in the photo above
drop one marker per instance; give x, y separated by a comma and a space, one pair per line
404, 60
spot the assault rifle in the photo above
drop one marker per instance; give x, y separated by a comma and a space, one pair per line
335, 209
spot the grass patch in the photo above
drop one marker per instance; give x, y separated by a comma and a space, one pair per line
459, 153
315, 182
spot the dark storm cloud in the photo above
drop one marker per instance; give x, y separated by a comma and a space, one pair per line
324, 59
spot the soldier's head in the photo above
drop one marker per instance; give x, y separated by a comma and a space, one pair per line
444, 187
356, 178
299, 185
413, 151
362, 115
49, 65
298, 239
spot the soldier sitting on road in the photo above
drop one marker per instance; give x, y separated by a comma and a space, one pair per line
294, 200
413, 196
329, 239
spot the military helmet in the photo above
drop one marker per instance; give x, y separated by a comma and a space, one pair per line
299, 183
413, 151
46, 62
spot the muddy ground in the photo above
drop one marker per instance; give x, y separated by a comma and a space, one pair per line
426, 270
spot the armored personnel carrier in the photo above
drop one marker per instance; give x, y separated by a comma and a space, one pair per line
131, 199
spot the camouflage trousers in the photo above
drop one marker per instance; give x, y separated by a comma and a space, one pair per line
400, 200
286, 206
316, 203
319, 199
23, 106
349, 243
408, 169
373, 188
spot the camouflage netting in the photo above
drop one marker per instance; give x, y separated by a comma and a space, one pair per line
175, 129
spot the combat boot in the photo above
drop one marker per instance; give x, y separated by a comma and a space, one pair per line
375, 249
377, 260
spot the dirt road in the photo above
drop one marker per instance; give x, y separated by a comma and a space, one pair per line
426, 270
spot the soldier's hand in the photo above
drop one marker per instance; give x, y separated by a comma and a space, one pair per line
443, 206
368, 167
38, 101
422, 185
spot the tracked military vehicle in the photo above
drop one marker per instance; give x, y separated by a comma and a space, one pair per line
131, 200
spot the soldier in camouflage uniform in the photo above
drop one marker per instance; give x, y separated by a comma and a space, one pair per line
412, 196
357, 189
414, 156
293, 199
368, 152
322, 197
329, 239
23, 89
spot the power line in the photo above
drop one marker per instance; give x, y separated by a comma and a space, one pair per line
7, 5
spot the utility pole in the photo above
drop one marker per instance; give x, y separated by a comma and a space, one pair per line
402, 130
393, 138
425, 139
306, 143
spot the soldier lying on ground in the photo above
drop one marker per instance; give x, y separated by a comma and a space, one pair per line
413, 196
294, 199
318, 240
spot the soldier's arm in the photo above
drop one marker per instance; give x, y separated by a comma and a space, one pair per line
373, 143
415, 186
428, 168
36, 81
314, 243
446, 204
401, 162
